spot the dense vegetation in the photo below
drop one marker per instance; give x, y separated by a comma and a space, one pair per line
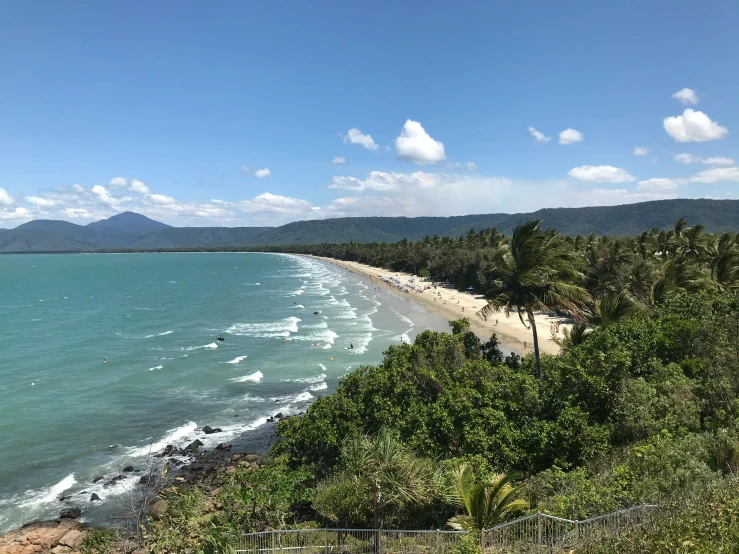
640, 405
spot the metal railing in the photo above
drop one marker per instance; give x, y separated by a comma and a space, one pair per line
348, 541
536, 533
555, 534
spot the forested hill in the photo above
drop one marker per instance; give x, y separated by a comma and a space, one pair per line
134, 231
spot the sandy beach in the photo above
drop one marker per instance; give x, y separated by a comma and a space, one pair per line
452, 305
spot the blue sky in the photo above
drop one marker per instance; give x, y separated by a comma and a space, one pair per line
176, 109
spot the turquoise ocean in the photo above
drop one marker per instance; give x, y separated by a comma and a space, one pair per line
67, 417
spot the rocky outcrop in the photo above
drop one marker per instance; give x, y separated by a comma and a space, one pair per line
55, 537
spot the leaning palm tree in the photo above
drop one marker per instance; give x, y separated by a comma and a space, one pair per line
485, 503
535, 271
614, 306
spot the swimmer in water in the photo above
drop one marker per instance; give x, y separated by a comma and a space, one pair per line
104, 360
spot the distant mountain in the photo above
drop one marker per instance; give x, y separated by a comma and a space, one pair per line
134, 231
128, 222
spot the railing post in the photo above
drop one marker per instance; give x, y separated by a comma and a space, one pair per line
274, 546
538, 528
325, 540
438, 542
577, 534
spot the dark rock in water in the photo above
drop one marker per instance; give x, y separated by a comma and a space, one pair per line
70, 513
279, 416
176, 462
193, 446
169, 450
145, 479
94, 497
98, 478
113, 481
223, 446
127, 469
236, 415
270, 419
64, 498
207, 429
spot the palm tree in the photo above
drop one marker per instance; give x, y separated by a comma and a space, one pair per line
384, 472
535, 272
612, 307
485, 503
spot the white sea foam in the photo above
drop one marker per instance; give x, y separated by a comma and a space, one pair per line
318, 386
303, 397
316, 379
252, 377
299, 306
159, 334
281, 328
401, 316
211, 346
237, 359
157, 367
49, 494
171, 437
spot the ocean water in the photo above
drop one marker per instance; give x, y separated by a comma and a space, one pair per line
67, 417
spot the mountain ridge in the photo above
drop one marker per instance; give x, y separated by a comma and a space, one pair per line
129, 230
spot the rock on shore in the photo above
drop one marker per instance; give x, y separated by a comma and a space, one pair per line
42, 537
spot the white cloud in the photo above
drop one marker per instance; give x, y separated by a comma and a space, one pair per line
570, 136
686, 96
658, 183
78, 213
134, 185
601, 174
382, 181
471, 166
540, 137
5, 198
415, 145
717, 175
338, 160
16, 214
262, 173
640, 151
693, 126
686, 158
719, 161
40, 202
355, 136
611, 197
161, 199
102, 193
246, 169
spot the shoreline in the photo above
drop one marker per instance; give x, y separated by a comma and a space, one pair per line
452, 304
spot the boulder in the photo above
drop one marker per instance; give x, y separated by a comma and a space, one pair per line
223, 446
64, 497
59, 549
94, 497
113, 481
98, 478
70, 513
145, 479
157, 509
279, 416
72, 539
251, 458
270, 419
128, 469
193, 446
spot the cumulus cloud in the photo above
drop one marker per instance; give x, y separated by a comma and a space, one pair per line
415, 145
471, 166
570, 136
5, 198
539, 137
693, 126
338, 160
40, 202
658, 183
686, 158
262, 173
717, 175
16, 214
601, 174
160, 199
640, 151
382, 181
355, 136
686, 96
134, 185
